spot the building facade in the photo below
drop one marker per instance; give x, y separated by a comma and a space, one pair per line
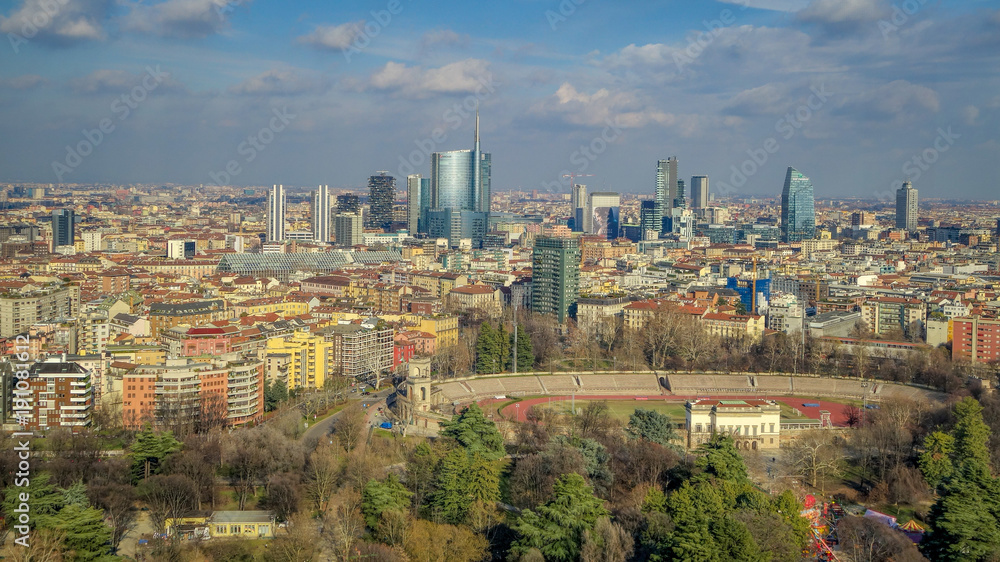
666, 186
907, 210
310, 360
20, 309
976, 340
63, 227
381, 195
555, 276
798, 209
276, 214
347, 229
321, 208
753, 424
699, 191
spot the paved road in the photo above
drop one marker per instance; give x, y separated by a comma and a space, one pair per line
322, 427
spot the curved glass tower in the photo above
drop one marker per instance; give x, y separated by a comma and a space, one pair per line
798, 209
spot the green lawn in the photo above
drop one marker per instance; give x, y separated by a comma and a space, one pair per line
622, 409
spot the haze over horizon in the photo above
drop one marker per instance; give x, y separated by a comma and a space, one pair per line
849, 92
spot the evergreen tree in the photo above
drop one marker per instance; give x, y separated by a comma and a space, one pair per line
964, 525
720, 459
380, 497
488, 358
475, 433
972, 437
148, 452
450, 500
86, 534
651, 426
557, 528
935, 461
525, 353
504, 349
45, 502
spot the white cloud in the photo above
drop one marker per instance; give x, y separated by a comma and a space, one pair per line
596, 109
182, 18
277, 82
63, 22
842, 11
333, 37
970, 114
24, 82
465, 76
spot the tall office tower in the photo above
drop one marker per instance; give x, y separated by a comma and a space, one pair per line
460, 179
680, 202
906, 207
321, 214
63, 227
998, 231
555, 276
666, 185
348, 203
578, 198
276, 214
347, 229
798, 209
699, 191
425, 205
413, 198
381, 194
649, 221
603, 214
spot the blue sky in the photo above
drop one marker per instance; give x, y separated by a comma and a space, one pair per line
597, 87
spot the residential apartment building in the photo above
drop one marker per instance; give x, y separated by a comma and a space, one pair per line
885, 314
310, 360
468, 298
976, 340
19, 309
59, 394
163, 316
734, 326
361, 349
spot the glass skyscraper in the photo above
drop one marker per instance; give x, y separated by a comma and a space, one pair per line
666, 185
906, 207
276, 214
798, 209
63, 227
381, 194
460, 180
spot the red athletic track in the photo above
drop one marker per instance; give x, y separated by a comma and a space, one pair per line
836, 409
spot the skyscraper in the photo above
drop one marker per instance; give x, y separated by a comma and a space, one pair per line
321, 214
798, 210
666, 185
555, 277
347, 229
680, 201
603, 214
348, 203
649, 220
699, 191
578, 199
460, 180
63, 227
906, 207
381, 194
276, 214
413, 198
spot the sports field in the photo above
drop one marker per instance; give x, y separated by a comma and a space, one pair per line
792, 408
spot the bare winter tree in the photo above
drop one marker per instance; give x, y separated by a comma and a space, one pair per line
815, 455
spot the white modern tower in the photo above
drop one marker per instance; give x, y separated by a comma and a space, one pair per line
321, 214
276, 214
413, 197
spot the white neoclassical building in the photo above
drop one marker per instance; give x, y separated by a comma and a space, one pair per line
753, 424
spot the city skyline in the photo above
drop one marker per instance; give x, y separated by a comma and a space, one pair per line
290, 82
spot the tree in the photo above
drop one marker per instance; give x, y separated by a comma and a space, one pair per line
595, 420
148, 452
816, 454
420, 472
935, 461
85, 534
282, 495
323, 475
117, 501
252, 455
275, 393
427, 541
343, 522
651, 426
852, 415
607, 542
380, 497
300, 544
863, 539
489, 358
349, 427
772, 534
475, 433
450, 500
168, 497
557, 528
972, 437
525, 354
720, 459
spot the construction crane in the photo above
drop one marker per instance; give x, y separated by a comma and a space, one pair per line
572, 177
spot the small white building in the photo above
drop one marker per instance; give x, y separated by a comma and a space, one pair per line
753, 424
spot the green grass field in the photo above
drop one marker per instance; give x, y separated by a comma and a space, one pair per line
622, 409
